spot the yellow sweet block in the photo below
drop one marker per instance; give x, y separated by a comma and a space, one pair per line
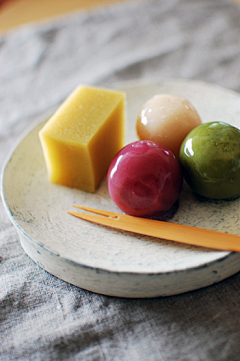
82, 137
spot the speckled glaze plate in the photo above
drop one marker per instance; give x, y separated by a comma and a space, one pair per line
112, 262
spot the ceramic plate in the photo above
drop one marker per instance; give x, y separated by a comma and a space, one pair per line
111, 262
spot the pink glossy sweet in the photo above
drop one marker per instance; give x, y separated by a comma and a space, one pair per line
144, 179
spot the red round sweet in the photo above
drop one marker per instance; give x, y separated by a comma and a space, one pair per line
144, 179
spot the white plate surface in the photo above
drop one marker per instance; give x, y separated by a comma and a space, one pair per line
111, 262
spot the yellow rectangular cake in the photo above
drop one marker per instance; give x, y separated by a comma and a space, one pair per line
82, 137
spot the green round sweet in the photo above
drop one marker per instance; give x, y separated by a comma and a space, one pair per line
210, 160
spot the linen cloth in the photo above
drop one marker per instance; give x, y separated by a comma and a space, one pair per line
42, 317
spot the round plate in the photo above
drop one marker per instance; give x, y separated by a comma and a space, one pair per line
113, 262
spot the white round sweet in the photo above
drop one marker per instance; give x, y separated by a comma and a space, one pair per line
167, 119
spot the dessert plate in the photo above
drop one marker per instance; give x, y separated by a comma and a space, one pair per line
108, 261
